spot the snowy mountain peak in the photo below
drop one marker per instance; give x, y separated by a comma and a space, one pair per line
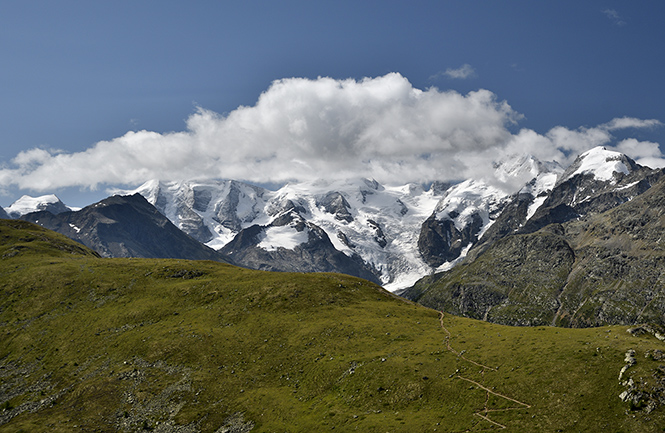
601, 163
517, 170
287, 234
28, 204
466, 199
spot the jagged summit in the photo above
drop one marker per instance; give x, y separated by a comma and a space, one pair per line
569, 252
520, 169
398, 233
469, 209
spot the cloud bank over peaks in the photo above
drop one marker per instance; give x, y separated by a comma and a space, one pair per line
304, 129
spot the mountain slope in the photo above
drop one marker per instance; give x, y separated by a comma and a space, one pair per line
597, 181
93, 344
387, 234
604, 268
125, 226
395, 234
459, 219
470, 209
291, 244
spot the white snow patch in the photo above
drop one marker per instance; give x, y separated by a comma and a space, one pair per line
76, 229
398, 210
282, 237
221, 237
449, 265
630, 185
533, 207
542, 184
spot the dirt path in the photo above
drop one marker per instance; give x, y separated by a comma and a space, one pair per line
484, 413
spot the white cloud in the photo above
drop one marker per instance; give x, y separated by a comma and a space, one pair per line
643, 152
301, 129
463, 72
630, 122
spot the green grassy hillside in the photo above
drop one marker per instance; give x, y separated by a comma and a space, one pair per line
91, 344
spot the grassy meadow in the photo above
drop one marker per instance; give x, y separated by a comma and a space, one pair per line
92, 344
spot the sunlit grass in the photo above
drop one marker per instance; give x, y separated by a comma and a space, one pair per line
128, 344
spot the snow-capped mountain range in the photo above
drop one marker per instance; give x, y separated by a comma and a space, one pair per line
397, 234
378, 223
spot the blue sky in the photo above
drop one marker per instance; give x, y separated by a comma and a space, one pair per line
77, 72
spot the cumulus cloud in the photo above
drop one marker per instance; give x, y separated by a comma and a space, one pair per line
562, 144
644, 152
302, 129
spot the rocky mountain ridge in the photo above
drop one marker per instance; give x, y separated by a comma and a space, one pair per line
124, 226
374, 226
590, 254
396, 233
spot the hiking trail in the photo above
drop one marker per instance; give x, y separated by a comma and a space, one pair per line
485, 412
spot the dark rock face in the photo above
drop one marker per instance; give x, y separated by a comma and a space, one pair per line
192, 224
461, 216
605, 267
345, 240
316, 254
440, 241
334, 203
285, 206
226, 210
188, 221
379, 236
517, 281
3, 214
125, 226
